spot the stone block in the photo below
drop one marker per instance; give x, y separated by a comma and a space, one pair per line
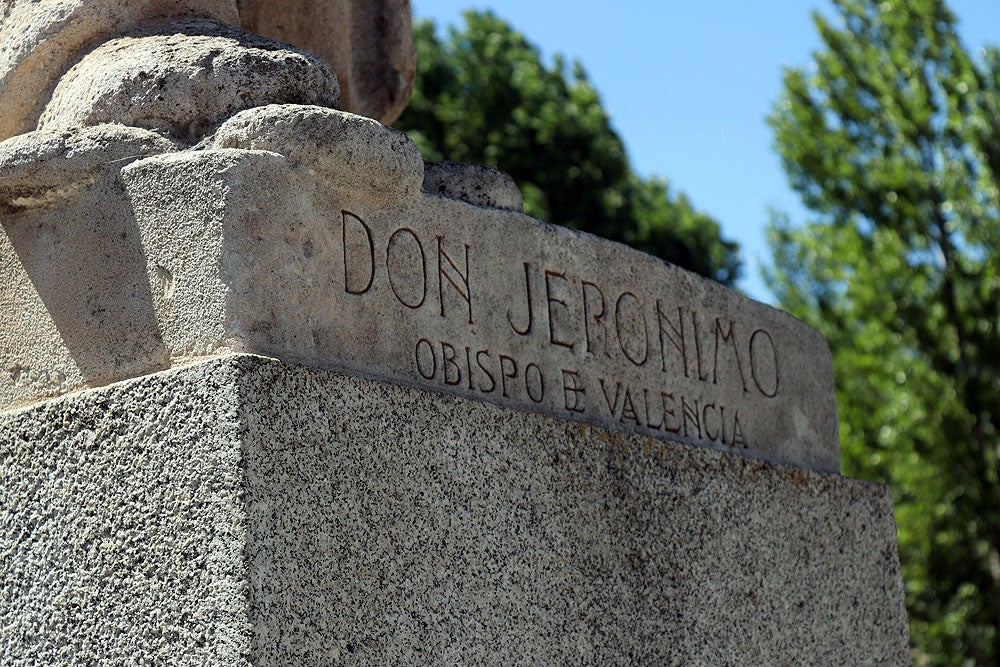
369, 43
43, 38
246, 511
305, 234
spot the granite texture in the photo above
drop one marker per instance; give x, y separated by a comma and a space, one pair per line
244, 511
312, 235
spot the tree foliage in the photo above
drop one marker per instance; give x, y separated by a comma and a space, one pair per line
892, 139
484, 95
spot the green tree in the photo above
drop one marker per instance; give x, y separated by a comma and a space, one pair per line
484, 95
892, 139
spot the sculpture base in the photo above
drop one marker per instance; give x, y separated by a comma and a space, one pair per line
306, 234
243, 509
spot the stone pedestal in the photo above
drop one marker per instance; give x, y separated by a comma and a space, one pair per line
312, 236
244, 511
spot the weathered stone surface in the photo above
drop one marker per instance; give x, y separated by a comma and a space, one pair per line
328, 254
39, 169
74, 289
369, 43
243, 511
184, 79
371, 160
478, 184
42, 38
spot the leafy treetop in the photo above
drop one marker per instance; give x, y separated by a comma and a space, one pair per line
484, 95
892, 138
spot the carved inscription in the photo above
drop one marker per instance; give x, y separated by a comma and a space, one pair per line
648, 361
406, 267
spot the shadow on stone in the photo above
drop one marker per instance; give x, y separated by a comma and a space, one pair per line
77, 280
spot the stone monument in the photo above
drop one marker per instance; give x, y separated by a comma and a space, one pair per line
277, 392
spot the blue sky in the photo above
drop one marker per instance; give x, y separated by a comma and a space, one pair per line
688, 85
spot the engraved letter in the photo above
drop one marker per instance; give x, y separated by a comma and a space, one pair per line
468, 364
761, 360
721, 337
462, 285
550, 299
722, 418
479, 361
697, 346
504, 374
691, 414
531, 318
704, 418
738, 438
407, 270
637, 352
628, 409
649, 417
612, 407
540, 391
598, 317
675, 426
362, 250
572, 391
427, 375
451, 371
677, 339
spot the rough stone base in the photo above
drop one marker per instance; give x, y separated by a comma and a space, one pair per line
243, 511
